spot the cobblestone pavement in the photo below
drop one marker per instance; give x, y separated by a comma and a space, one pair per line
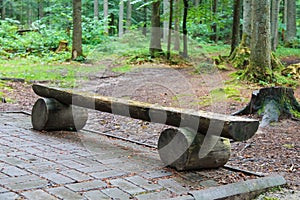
64, 165
85, 165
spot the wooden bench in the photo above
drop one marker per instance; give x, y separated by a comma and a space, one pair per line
200, 141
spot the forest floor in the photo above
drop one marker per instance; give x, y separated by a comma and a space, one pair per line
273, 149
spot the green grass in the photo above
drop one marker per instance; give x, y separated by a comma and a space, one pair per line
63, 74
285, 52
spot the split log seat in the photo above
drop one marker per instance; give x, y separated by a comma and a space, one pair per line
201, 139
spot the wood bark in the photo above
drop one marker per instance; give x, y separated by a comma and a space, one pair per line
247, 24
3, 9
260, 56
274, 23
128, 14
185, 149
184, 28
96, 9
121, 18
272, 104
105, 15
214, 25
166, 8
176, 26
49, 114
155, 43
77, 30
236, 25
291, 30
170, 29
236, 128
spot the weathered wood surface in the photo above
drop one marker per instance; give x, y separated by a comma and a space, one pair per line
232, 127
185, 149
49, 114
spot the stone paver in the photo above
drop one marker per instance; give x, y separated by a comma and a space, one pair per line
144, 183
126, 186
173, 186
64, 193
8, 196
84, 186
116, 193
96, 195
38, 195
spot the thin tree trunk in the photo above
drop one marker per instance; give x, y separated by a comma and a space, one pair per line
236, 25
165, 23
41, 9
155, 44
184, 28
144, 30
121, 18
176, 26
3, 10
247, 25
214, 26
77, 30
291, 30
128, 14
274, 23
105, 13
170, 30
96, 9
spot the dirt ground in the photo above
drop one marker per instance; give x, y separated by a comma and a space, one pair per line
273, 149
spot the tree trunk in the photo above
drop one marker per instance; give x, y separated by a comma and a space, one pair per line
291, 30
176, 26
272, 103
184, 28
204, 122
96, 9
121, 18
259, 68
50, 115
41, 9
236, 25
128, 15
214, 26
3, 9
247, 25
185, 149
105, 15
170, 30
144, 29
77, 31
166, 22
155, 43
274, 23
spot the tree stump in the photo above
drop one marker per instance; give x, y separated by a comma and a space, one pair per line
185, 149
49, 114
272, 104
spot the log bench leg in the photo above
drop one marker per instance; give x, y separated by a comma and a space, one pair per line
50, 115
185, 149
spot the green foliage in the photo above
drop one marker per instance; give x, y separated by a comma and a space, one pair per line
64, 75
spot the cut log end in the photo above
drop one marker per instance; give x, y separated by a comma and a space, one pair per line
50, 115
185, 149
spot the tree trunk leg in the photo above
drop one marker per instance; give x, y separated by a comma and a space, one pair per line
185, 149
50, 115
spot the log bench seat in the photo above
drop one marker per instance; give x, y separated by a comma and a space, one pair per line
198, 140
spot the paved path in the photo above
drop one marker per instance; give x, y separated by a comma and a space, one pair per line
64, 165
85, 165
